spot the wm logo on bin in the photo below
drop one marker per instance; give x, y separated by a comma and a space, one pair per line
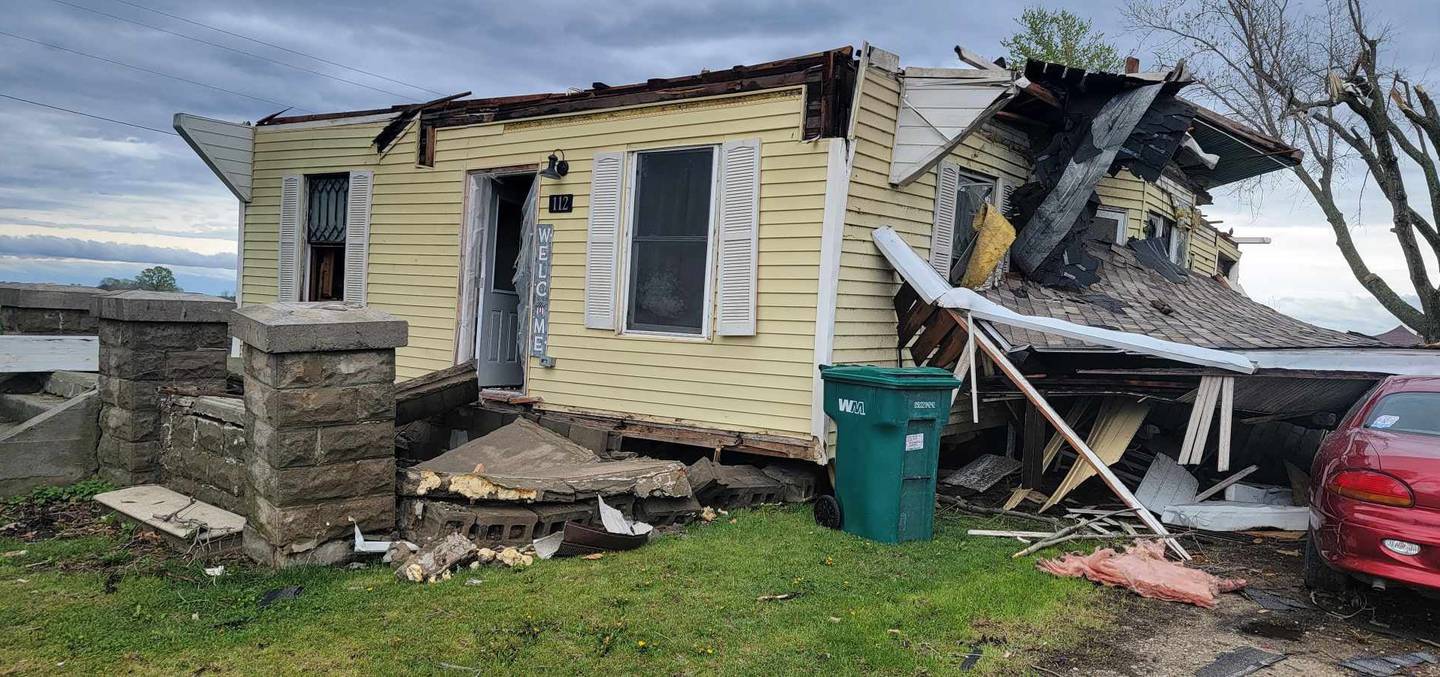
856, 407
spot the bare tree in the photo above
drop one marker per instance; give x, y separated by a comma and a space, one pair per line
1316, 80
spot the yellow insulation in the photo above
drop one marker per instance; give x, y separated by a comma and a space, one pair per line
994, 234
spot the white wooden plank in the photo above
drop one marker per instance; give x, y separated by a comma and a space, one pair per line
1227, 412
22, 353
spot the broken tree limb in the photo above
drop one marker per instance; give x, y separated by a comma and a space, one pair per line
1002, 362
982, 510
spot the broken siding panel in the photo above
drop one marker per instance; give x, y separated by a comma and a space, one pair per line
865, 317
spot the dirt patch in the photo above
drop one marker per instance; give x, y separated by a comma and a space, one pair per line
1314, 632
32, 521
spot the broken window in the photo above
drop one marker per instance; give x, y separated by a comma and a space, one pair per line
1109, 225
1176, 242
670, 240
327, 196
970, 195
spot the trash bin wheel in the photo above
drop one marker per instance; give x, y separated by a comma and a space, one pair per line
827, 511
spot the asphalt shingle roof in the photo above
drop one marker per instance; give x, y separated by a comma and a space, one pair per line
1131, 297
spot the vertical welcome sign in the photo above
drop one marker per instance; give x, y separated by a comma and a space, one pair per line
540, 300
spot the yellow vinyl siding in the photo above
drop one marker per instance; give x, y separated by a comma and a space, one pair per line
865, 314
759, 383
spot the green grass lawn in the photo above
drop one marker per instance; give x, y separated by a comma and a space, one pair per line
685, 604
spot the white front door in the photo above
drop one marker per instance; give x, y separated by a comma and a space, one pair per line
498, 359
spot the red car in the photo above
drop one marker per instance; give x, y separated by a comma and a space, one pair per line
1375, 491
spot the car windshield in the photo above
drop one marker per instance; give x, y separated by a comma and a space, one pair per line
1417, 413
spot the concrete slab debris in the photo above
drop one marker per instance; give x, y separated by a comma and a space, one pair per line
173, 514
982, 473
1240, 662
525, 462
1232, 516
437, 558
741, 486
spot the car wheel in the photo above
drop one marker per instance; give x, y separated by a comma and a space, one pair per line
1318, 574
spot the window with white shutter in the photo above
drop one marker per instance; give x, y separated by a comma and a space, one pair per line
288, 268
739, 226
602, 241
357, 234
942, 234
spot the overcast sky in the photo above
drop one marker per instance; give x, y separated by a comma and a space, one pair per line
81, 199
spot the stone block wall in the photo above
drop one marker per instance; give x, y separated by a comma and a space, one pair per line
319, 426
202, 450
47, 309
148, 341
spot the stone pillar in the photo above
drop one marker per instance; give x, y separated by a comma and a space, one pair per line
319, 427
149, 340
47, 309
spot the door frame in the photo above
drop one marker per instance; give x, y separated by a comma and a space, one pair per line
474, 236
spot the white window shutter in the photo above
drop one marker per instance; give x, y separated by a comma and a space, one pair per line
603, 240
942, 235
292, 189
739, 232
357, 235
1004, 188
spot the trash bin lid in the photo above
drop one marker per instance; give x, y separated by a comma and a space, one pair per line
890, 377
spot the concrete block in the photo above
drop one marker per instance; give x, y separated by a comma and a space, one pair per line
300, 485
502, 525
45, 295
176, 365
741, 486
131, 425
164, 336
314, 327
325, 369
46, 321
423, 521
227, 409
316, 523
551, 517
135, 457
155, 306
134, 394
71, 383
663, 511
287, 447
319, 406
57, 447
121, 477
594, 439
329, 553
798, 480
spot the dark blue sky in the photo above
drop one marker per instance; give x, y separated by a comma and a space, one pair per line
87, 190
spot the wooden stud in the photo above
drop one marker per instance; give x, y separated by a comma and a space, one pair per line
940, 326
1227, 414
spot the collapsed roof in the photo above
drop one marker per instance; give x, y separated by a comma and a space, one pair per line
1131, 296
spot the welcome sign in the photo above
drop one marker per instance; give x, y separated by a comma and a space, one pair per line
540, 297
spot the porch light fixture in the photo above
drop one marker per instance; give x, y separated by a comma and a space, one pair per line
556, 167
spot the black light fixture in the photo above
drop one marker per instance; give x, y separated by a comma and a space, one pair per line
557, 166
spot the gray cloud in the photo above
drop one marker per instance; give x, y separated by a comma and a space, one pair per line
68, 171
73, 248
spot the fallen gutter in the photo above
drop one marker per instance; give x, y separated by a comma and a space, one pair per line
934, 289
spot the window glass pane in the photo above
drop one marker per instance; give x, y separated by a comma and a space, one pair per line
672, 193
1417, 413
667, 291
669, 240
327, 196
1105, 226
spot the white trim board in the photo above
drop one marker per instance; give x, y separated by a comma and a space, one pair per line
832, 236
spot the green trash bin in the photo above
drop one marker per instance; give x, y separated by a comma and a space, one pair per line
888, 423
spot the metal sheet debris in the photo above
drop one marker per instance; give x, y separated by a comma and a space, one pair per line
1166, 484
982, 473
1230, 516
1240, 662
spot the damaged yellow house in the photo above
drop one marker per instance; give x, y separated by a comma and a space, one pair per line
675, 257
